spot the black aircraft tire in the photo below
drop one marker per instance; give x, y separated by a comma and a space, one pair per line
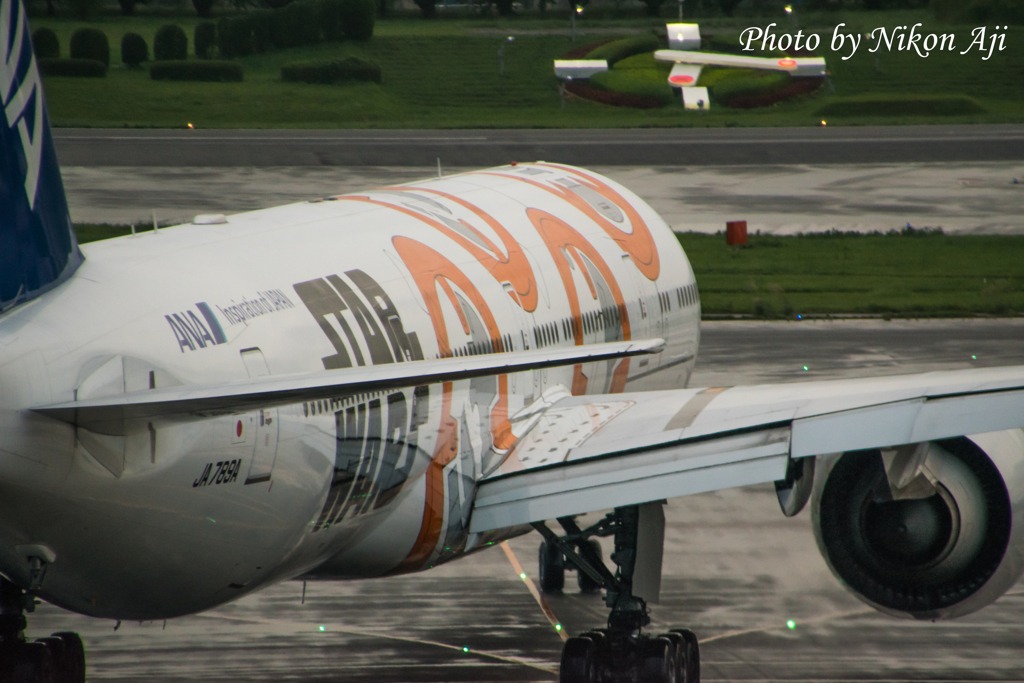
60, 659
579, 661
679, 664
37, 665
551, 568
75, 650
692, 655
656, 660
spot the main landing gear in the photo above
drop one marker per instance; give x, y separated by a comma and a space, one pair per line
622, 652
57, 659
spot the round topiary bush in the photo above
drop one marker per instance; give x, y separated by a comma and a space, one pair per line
261, 24
90, 43
330, 13
204, 40
134, 50
297, 24
45, 42
235, 36
357, 17
170, 43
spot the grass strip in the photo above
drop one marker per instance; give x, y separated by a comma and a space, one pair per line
906, 274
896, 105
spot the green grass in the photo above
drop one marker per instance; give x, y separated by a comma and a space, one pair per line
444, 74
920, 274
93, 232
900, 105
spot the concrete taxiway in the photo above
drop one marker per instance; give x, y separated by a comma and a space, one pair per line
647, 146
976, 197
736, 571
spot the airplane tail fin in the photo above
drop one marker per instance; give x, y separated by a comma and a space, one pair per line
38, 248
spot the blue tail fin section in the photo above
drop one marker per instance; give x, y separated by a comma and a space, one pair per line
38, 248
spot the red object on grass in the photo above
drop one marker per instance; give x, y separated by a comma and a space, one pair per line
735, 233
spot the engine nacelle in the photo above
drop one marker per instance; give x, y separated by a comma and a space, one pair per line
924, 531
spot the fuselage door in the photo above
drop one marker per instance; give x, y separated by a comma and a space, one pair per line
645, 318
265, 451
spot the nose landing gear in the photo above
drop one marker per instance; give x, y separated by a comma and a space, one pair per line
57, 659
622, 652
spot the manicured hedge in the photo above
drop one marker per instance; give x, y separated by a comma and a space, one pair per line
616, 99
204, 40
644, 82
357, 17
797, 86
627, 47
327, 72
82, 68
170, 43
976, 12
330, 18
298, 23
204, 70
234, 36
46, 44
90, 43
758, 83
902, 105
261, 29
134, 50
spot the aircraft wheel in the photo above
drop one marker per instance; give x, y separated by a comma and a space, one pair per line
583, 580
600, 639
679, 655
579, 661
691, 656
34, 664
60, 658
552, 568
74, 651
657, 660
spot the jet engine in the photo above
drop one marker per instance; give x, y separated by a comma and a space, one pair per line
924, 531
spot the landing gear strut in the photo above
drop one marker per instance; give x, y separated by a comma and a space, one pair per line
622, 652
57, 659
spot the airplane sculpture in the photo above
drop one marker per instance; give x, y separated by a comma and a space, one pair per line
378, 383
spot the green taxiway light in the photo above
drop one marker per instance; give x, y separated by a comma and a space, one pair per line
558, 627
805, 367
791, 624
465, 649
522, 576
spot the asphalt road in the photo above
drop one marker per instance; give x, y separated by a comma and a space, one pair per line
475, 148
735, 571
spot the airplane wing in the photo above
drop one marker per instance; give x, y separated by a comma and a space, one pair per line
124, 413
591, 453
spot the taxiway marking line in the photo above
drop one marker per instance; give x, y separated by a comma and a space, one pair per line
404, 639
530, 586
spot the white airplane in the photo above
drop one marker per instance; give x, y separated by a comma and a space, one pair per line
379, 383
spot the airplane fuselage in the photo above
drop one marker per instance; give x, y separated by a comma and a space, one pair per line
173, 520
